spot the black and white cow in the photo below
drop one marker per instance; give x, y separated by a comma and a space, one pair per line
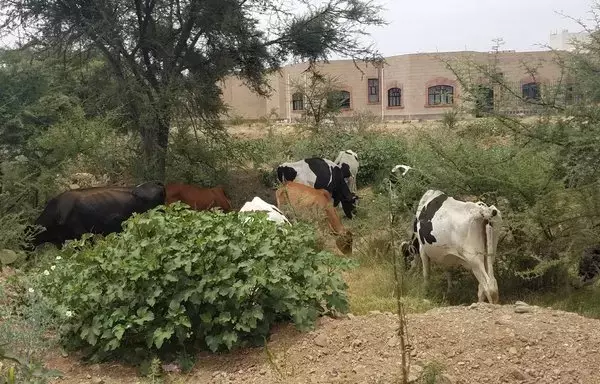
321, 173
451, 232
349, 158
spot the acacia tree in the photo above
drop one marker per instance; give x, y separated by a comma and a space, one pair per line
320, 95
166, 52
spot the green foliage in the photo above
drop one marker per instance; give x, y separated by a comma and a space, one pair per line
196, 58
450, 119
182, 277
24, 370
199, 159
431, 372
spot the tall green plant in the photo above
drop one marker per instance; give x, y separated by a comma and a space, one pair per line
177, 277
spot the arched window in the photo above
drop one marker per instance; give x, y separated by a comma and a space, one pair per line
394, 97
441, 95
338, 99
344, 99
297, 101
531, 91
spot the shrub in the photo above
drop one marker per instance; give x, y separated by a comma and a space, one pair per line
176, 277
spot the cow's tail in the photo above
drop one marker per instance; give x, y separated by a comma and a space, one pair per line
490, 213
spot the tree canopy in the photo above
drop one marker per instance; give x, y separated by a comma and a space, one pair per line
167, 52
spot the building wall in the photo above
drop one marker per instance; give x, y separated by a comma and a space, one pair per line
413, 74
564, 40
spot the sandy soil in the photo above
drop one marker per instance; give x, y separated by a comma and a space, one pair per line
477, 344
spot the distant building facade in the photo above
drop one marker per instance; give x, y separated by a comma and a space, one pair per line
567, 41
412, 86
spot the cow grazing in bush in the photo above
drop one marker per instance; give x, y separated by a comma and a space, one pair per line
324, 174
303, 197
451, 232
198, 198
349, 158
589, 264
97, 210
259, 205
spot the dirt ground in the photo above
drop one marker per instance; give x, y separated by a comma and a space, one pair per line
480, 343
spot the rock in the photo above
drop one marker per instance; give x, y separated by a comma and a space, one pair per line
350, 316
321, 341
488, 362
473, 306
97, 380
171, 368
358, 369
417, 369
523, 309
357, 343
516, 374
521, 303
374, 313
512, 350
263, 372
8, 256
88, 376
393, 341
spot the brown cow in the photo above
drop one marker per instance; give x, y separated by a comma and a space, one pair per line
301, 196
198, 198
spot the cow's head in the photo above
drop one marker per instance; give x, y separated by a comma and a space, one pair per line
344, 242
349, 207
341, 191
152, 193
409, 250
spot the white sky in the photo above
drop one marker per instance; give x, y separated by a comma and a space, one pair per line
455, 25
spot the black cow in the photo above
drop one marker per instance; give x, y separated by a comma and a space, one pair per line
321, 173
98, 210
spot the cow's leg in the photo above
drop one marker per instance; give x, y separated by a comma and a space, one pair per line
426, 263
487, 287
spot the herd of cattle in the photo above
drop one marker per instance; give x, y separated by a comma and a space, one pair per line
446, 231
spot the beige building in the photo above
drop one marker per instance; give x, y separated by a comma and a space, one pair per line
413, 86
567, 41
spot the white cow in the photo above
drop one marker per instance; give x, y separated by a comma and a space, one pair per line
350, 158
451, 232
259, 205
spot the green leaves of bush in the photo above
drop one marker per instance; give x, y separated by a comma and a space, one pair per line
178, 277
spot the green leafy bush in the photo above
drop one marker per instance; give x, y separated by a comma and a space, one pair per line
178, 277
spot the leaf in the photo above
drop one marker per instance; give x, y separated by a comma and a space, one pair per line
160, 335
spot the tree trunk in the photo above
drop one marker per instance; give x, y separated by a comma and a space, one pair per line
155, 140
